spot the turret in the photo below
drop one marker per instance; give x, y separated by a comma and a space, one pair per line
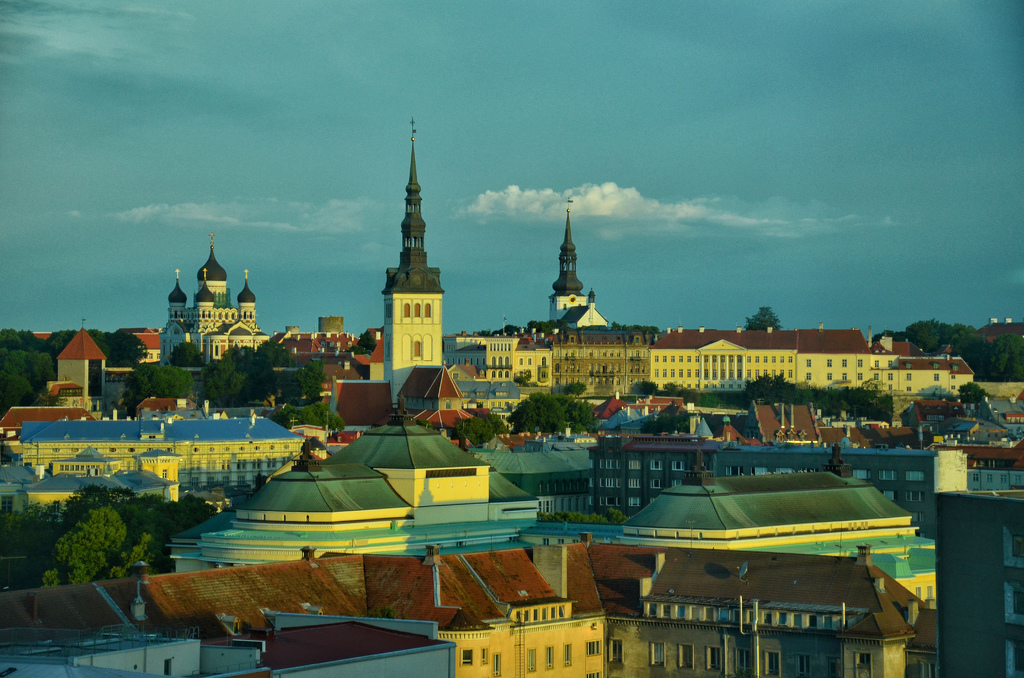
177, 299
246, 302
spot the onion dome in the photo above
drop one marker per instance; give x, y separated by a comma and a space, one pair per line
177, 296
246, 296
204, 295
212, 270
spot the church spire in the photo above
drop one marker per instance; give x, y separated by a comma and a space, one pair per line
567, 282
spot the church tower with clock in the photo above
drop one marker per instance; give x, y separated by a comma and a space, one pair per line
412, 298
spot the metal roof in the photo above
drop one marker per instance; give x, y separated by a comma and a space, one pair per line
204, 430
336, 488
404, 446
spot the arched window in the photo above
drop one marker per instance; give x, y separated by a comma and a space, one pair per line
416, 349
426, 311
416, 313
406, 311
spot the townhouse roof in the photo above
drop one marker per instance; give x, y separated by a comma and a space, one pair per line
305, 645
429, 382
934, 363
17, 416
363, 403
510, 575
769, 420
353, 372
442, 418
489, 389
923, 409
470, 372
68, 483
162, 405
802, 341
81, 347
609, 407
335, 488
581, 582
541, 463
182, 430
739, 502
617, 573
993, 330
404, 445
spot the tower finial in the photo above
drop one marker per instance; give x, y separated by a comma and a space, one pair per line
177, 274
211, 240
412, 123
204, 269
246, 275
567, 203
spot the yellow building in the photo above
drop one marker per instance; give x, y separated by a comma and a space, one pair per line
726, 360
534, 358
900, 368
412, 299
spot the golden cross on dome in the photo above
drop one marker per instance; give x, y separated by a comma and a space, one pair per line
204, 274
246, 275
211, 240
177, 273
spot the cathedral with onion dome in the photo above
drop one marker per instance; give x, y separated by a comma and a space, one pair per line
212, 322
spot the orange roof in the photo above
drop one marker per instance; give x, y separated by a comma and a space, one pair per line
364, 403
510, 575
608, 408
618, 570
430, 382
443, 418
378, 353
81, 347
58, 386
18, 415
803, 341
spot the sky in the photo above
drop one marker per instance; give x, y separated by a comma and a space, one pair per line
852, 163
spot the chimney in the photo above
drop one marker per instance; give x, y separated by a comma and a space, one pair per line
993, 321
433, 556
645, 586
880, 584
770, 329
863, 555
206, 408
553, 564
782, 416
587, 538
792, 418
308, 553
702, 329
869, 334
912, 611
312, 609
659, 562
113, 415
886, 343
32, 606
1009, 320
738, 329
821, 327
141, 570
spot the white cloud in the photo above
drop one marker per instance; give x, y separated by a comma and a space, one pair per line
334, 216
630, 211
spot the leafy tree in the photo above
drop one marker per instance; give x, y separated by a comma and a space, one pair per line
770, 389
667, 423
222, 382
187, 354
650, 329
154, 381
15, 390
612, 515
763, 319
542, 326
84, 553
478, 430
576, 388
524, 378
311, 379
972, 393
126, 350
366, 343
645, 387
1006, 358
551, 413
314, 414
275, 355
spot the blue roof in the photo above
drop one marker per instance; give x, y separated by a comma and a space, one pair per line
205, 430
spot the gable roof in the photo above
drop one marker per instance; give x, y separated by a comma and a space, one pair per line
81, 347
363, 403
16, 416
617, 573
802, 341
431, 383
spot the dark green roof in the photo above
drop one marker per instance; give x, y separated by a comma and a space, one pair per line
399, 446
501, 489
335, 488
764, 501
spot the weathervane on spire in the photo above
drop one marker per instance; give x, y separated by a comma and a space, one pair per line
412, 123
211, 243
567, 203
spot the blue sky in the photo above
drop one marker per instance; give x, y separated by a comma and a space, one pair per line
852, 163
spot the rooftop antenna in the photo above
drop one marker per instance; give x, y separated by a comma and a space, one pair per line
743, 571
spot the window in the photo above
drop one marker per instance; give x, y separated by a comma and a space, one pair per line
844, 376
783, 618
657, 654
803, 665
406, 311
496, 664
483, 656
862, 473
886, 474
863, 664
835, 667
634, 464
771, 663
1017, 547
915, 495
7, 504
593, 648
594, 674
686, 656
935, 377
655, 464
634, 483
168, 666
844, 362
467, 657
549, 657
713, 655
677, 466
828, 363
615, 650
828, 376
531, 659
807, 377
567, 650
655, 483
915, 475
889, 494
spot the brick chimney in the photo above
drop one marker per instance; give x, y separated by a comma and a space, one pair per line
433, 556
587, 538
32, 606
863, 555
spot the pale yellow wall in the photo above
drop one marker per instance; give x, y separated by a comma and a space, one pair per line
537, 361
703, 367
417, 489
829, 370
401, 334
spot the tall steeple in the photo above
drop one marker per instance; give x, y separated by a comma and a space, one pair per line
567, 282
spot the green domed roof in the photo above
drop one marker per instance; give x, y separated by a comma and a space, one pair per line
406, 446
333, 489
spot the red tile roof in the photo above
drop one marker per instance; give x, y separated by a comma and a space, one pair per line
609, 407
618, 570
769, 420
404, 584
430, 382
76, 606
510, 575
378, 353
582, 584
803, 341
364, 403
448, 419
81, 347
990, 332
16, 416
58, 386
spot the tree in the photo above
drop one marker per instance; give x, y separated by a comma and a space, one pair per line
366, 343
552, 413
770, 389
14, 391
645, 387
187, 354
154, 381
1006, 358
972, 393
649, 329
85, 551
274, 354
478, 430
576, 388
314, 414
311, 379
667, 423
222, 382
125, 350
523, 378
763, 319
